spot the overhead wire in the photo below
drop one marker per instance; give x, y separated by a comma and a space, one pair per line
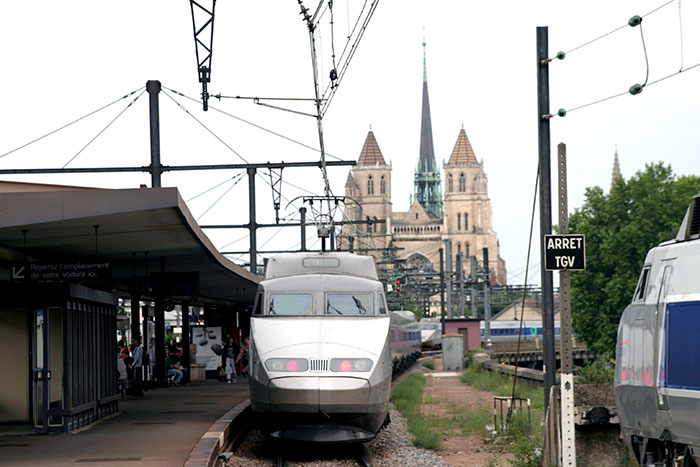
184, 109
73, 122
627, 92
616, 29
220, 197
279, 135
103, 129
522, 307
212, 188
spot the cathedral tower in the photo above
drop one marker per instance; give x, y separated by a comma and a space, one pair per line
368, 188
467, 217
427, 177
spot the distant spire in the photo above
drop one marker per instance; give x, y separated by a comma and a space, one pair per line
427, 187
425, 66
616, 169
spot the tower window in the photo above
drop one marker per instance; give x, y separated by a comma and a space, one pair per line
462, 182
416, 215
466, 249
450, 186
466, 221
382, 185
370, 186
459, 221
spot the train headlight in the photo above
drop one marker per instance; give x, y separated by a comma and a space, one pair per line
287, 364
351, 364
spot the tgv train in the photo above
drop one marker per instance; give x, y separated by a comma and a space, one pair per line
507, 331
657, 369
431, 333
323, 349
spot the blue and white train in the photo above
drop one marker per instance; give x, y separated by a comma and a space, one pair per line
657, 368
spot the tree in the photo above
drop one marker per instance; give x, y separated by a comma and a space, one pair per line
620, 228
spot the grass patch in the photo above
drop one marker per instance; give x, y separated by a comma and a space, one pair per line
407, 395
526, 434
501, 385
429, 364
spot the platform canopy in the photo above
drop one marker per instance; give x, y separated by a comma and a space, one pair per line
139, 232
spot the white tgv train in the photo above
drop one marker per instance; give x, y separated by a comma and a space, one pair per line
321, 354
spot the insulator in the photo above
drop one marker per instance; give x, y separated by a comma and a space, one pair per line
561, 55
636, 89
636, 20
561, 112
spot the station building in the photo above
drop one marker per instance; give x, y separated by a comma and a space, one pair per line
67, 256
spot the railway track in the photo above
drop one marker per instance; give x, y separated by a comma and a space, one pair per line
359, 454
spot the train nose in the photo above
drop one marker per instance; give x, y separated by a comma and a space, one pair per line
313, 394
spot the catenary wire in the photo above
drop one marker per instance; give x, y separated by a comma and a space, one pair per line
71, 123
522, 307
213, 187
618, 28
184, 109
219, 198
103, 129
252, 124
627, 92
680, 31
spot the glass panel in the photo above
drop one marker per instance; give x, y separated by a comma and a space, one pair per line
290, 304
38, 361
349, 304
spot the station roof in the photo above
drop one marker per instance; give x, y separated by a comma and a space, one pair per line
137, 227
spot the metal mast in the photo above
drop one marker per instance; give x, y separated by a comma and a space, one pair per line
203, 27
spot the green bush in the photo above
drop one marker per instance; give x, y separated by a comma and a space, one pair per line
599, 371
429, 364
527, 453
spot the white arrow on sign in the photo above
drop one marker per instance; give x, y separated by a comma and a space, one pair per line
17, 273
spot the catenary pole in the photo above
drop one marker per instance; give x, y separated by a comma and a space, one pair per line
153, 88
543, 116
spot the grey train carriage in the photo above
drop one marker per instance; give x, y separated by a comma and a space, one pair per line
321, 351
657, 370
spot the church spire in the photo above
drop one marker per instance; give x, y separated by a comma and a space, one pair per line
616, 169
427, 187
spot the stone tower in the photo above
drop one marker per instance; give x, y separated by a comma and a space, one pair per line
427, 176
467, 217
369, 187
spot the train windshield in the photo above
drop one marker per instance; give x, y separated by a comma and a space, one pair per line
290, 304
349, 304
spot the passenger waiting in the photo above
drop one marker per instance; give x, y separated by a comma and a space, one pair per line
228, 357
174, 369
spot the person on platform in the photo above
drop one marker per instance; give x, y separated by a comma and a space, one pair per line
137, 366
228, 359
174, 369
243, 356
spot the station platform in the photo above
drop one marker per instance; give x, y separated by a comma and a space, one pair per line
159, 429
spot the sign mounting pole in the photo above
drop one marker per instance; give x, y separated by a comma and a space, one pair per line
568, 445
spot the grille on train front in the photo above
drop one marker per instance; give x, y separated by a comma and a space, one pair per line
318, 364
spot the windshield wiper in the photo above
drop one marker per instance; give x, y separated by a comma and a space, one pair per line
360, 306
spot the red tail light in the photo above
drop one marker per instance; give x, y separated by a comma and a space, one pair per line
345, 365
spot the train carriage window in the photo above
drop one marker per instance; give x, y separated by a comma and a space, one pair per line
640, 293
290, 304
349, 304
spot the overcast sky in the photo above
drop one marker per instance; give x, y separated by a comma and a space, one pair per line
62, 60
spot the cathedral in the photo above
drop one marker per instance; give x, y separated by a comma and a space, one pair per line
462, 215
